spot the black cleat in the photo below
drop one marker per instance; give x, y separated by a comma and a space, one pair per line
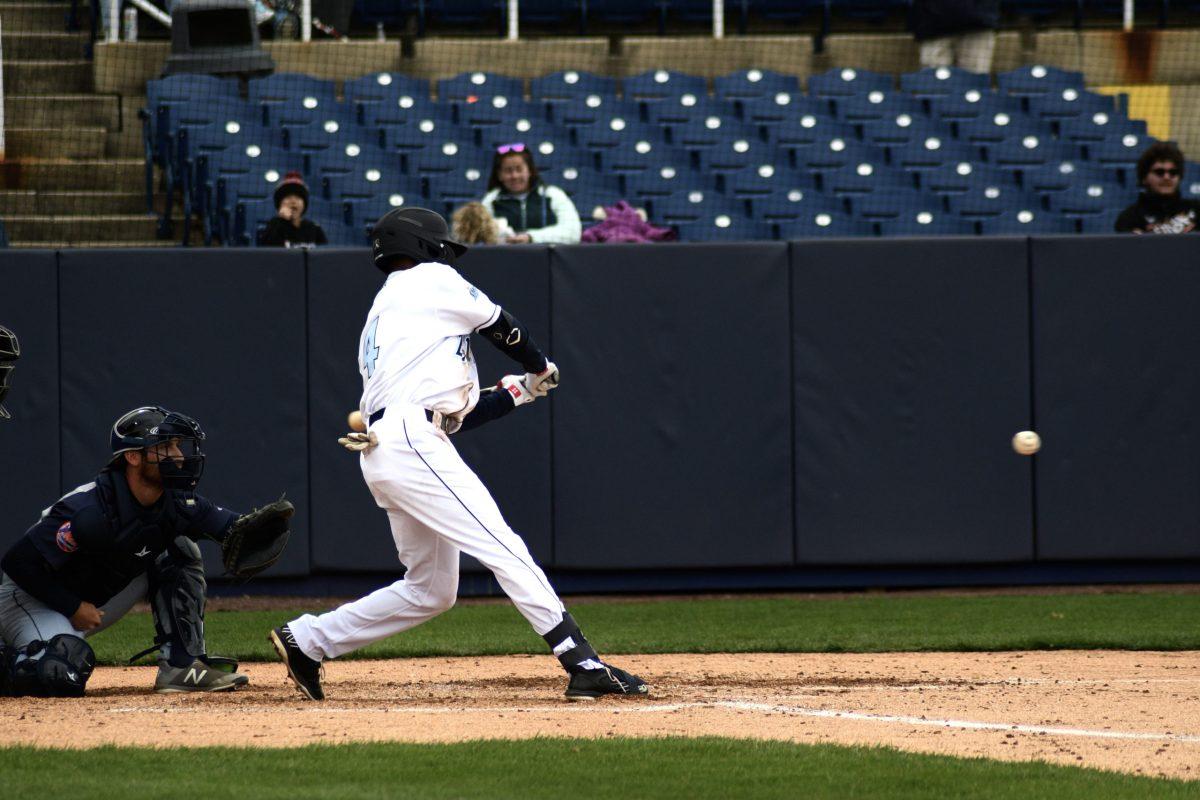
593, 684
303, 671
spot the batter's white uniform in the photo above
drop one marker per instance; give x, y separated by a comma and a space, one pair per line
415, 354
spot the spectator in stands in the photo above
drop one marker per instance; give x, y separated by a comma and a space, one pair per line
956, 33
472, 223
289, 228
1160, 208
535, 211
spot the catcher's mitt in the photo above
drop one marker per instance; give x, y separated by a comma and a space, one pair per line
256, 540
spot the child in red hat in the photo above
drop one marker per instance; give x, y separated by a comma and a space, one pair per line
289, 228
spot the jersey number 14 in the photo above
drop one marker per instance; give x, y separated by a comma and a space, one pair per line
370, 352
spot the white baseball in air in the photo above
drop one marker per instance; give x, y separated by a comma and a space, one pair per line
1026, 442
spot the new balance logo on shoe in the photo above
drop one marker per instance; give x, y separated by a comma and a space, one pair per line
145, 551
193, 677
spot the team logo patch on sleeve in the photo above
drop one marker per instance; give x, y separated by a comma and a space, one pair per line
64, 539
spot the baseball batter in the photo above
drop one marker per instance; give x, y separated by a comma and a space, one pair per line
420, 384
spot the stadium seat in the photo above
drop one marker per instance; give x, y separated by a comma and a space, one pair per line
824, 224
1026, 223
1098, 126
1037, 80
532, 133
689, 108
691, 205
754, 84
567, 85
992, 201
578, 181
403, 110
444, 158
876, 105
931, 153
1097, 225
385, 87
318, 140
737, 154
371, 182
1121, 153
290, 95
639, 187
786, 205
351, 158
239, 190
467, 85
833, 152
902, 130
447, 191
1190, 185
865, 178
942, 81
994, 128
958, 177
726, 228
633, 157
557, 156
896, 204
418, 136
662, 84
1028, 151
490, 112
782, 106
1070, 103
590, 109
1058, 176
846, 82
365, 213
973, 104
808, 130
757, 181
925, 223
1090, 198
709, 133
216, 166
607, 133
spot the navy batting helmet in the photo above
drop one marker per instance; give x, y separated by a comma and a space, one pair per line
10, 351
415, 232
153, 425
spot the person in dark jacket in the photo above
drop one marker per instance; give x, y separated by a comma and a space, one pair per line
1160, 208
289, 228
956, 33
533, 211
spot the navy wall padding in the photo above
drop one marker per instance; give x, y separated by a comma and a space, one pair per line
511, 455
29, 458
217, 334
1117, 333
672, 423
911, 376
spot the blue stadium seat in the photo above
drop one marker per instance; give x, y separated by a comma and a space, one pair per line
290, 96
1121, 153
216, 167
1190, 185
229, 222
846, 82
1070, 103
1029, 151
592, 108
876, 105
466, 85
659, 183
371, 182
444, 158
706, 134
203, 91
786, 205
492, 111
754, 84
726, 228
783, 106
567, 85
1090, 198
824, 224
580, 181
926, 223
992, 201
895, 203
606, 133
366, 213
865, 178
691, 205
757, 181
403, 110
350, 157
450, 190
808, 130
385, 87
1096, 127
932, 152
1037, 80
560, 155
531, 133
634, 157
1027, 223
958, 177
902, 130
1098, 225
662, 84
943, 81
681, 110
832, 152
997, 127
973, 104
1058, 176
318, 140
426, 132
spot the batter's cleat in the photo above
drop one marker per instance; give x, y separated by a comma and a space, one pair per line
593, 684
198, 677
303, 671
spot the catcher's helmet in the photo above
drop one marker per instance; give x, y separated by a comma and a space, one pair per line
415, 232
10, 351
152, 425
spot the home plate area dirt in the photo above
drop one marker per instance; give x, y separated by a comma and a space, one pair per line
1136, 712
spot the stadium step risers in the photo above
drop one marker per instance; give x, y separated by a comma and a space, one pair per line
40, 16
48, 77
105, 228
20, 46
62, 111
117, 174
71, 203
55, 143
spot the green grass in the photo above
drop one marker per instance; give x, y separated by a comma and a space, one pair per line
556, 768
870, 623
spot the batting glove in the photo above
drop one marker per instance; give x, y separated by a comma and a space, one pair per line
541, 383
517, 387
359, 442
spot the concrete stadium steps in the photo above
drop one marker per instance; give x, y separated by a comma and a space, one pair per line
114, 175
89, 228
35, 46
62, 111
55, 142
31, 203
66, 76
25, 16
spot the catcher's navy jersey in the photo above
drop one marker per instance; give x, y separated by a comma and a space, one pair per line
98, 538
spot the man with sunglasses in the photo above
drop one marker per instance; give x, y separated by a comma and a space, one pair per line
1160, 208
128, 535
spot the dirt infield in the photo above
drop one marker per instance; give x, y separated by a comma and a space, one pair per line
1135, 712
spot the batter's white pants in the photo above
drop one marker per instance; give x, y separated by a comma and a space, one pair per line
437, 507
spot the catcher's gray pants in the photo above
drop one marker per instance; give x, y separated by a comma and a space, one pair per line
24, 618
437, 507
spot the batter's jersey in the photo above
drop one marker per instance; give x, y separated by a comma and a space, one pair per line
416, 346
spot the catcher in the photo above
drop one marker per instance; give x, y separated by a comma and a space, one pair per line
128, 535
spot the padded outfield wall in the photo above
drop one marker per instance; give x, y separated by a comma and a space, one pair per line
763, 409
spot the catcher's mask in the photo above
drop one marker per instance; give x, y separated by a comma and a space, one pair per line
415, 232
10, 351
148, 426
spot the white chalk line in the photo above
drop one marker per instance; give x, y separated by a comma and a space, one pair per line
736, 705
